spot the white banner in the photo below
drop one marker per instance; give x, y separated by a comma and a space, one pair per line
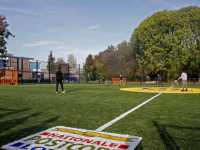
67, 138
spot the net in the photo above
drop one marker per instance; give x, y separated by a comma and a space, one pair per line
8, 77
116, 81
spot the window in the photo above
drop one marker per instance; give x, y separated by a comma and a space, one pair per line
1, 64
4, 63
34, 75
34, 65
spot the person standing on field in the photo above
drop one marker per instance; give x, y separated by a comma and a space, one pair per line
184, 80
121, 79
82, 79
159, 80
38, 80
59, 80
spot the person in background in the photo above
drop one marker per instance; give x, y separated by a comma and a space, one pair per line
184, 80
103, 80
121, 79
175, 82
59, 80
38, 80
82, 79
159, 80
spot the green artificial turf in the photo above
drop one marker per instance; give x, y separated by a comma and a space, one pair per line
168, 122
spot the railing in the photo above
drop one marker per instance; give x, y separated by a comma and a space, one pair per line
143, 81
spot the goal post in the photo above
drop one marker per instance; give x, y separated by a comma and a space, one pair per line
116, 81
8, 77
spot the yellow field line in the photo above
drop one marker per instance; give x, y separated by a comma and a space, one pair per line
93, 134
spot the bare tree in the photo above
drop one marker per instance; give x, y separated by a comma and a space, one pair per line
71, 60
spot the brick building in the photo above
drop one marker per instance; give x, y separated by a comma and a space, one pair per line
29, 69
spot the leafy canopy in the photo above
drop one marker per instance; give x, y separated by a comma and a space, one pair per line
168, 40
4, 34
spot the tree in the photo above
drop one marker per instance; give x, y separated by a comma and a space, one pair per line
51, 61
64, 66
121, 61
164, 42
110, 48
71, 60
99, 56
4, 34
60, 60
190, 18
89, 66
93, 67
99, 70
113, 64
122, 46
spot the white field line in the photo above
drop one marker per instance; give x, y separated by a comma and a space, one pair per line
126, 113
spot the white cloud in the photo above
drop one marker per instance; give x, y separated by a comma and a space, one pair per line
93, 27
58, 48
20, 10
40, 43
73, 45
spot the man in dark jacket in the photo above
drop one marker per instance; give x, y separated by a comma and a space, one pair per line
59, 79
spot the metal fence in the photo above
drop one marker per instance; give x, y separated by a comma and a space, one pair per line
29, 70
143, 81
165, 81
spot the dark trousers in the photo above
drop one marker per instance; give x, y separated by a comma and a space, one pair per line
159, 81
57, 83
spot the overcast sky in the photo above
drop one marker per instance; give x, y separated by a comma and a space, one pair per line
80, 27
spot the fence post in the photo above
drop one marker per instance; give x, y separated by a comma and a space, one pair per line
18, 68
49, 71
99, 80
140, 81
156, 81
36, 71
169, 81
79, 74
194, 80
179, 82
87, 76
68, 73
22, 70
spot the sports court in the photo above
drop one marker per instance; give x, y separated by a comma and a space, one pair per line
164, 121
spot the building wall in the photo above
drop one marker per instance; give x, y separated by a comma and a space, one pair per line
27, 69
46, 74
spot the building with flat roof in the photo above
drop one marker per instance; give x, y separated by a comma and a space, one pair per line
29, 69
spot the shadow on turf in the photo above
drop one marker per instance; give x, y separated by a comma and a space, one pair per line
165, 136
70, 91
9, 124
168, 141
11, 111
16, 135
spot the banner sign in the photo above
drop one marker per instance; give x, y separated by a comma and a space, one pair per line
67, 138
